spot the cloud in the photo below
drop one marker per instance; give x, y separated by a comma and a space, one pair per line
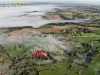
28, 16
15, 16
37, 43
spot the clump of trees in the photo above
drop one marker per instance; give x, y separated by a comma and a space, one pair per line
18, 28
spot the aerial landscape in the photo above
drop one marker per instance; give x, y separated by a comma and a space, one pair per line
50, 38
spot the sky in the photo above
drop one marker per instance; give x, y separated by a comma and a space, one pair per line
67, 1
